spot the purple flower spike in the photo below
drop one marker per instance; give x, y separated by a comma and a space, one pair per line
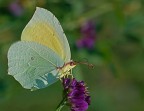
66, 83
16, 8
88, 27
77, 94
88, 36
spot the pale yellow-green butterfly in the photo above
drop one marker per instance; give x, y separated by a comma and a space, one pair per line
43, 54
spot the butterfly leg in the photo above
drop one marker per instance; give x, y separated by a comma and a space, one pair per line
71, 73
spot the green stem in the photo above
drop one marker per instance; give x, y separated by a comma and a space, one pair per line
62, 104
59, 108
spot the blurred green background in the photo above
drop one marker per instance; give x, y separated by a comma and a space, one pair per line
106, 33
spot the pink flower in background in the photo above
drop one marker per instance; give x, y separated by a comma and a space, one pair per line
16, 8
88, 36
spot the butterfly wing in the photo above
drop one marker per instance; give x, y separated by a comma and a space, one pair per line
44, 28
33, 65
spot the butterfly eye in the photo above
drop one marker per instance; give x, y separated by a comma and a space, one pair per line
71, 63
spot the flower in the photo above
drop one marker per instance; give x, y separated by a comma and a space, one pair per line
77, 94
16, 8
88, 36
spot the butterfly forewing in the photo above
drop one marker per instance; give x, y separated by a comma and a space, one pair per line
44, 28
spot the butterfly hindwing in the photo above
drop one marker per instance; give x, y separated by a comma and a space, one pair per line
30, 63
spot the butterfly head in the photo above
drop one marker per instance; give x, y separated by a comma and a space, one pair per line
70, 65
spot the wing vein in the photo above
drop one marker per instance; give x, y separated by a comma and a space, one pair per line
43, 57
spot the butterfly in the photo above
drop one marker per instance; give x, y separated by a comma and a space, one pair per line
43, 55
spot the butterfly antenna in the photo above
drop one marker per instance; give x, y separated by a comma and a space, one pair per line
84, 60
91, 66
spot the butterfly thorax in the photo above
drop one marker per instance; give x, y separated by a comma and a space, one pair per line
66, 68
